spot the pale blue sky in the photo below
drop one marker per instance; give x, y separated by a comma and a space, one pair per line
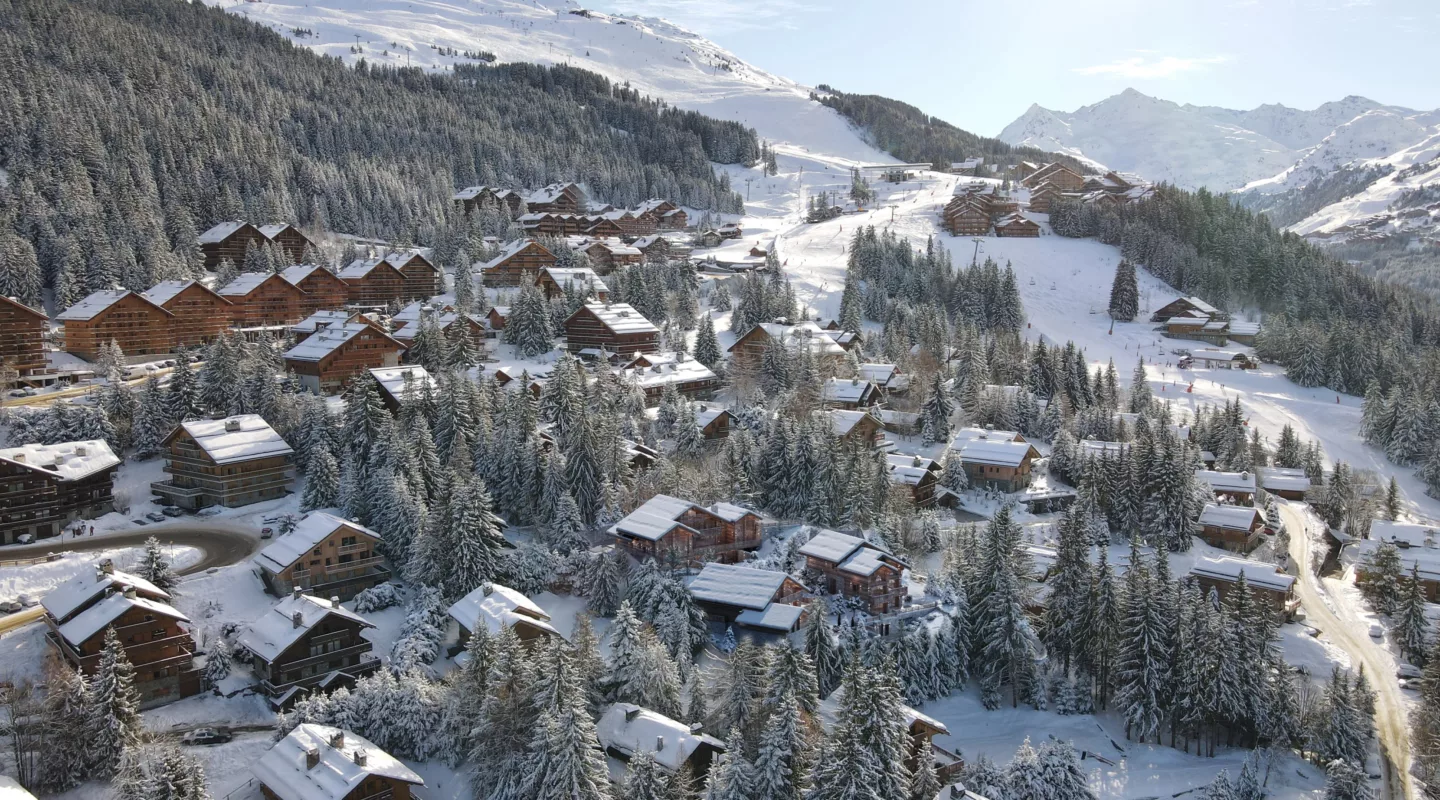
981, 64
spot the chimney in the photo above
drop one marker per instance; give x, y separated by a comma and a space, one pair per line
359, 757
312, 757
297, 619
82, 451
232, 425
632, 713
297, 592
334, 601
659, 743
337, 739
129, 592
99, 574
18, 457
107, 566
486, 588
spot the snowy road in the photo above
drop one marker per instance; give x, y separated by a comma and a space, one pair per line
1349, 633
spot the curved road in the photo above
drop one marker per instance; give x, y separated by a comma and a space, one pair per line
1351, 635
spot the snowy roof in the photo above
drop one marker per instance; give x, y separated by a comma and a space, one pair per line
94, 305
843, 421
830, 707
1238, 518
1257, 574
905, 469
273, 229
95, 618
734, 585
1406, 534
704, 414
469, 193
419, 308
630, 730
392, 379
328, 340
1227, 481
300, 272
10, 789
621, 318
285, 771
881, 374
1201, 304
1244, 328
509, 251
239, 438
1103, 449
77, 592
399, 258
321, 320
1280, 479
864, 561
1416, 545
276, 630
312, 529
70, 461
1187, 321
971, 434
645, 241
807, 333
499, 607
576, 276
775, 617
832, 546
660, 514
165, 291
998, 451
244, 283
668, 371
615, 248
221, 232
411, 329
846, 390
1216, 355
549, 194
361, 267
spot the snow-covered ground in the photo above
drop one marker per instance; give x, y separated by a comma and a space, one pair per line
38, 579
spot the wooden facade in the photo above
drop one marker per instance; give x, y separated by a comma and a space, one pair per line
966, 219
557, 198
294, 245
140, 327
230, 463
519, 260
229, 241
198, 314
1269, 587
325, 556
851, 567
324, 291
374, 282
607, 256
675, 531
1238, 535
473, 197
323, 643
157, 645
612, 328
329, 360
267, 301
1059, 175
22, 337
44, 488
1016, 226
422, 278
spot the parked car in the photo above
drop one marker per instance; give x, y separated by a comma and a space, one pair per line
28, 600
25, 538
138, 522
207, 512
17, 393
266, 533
1407, 671
171, 511
1377, 632
207, 736
10, 606
155, 516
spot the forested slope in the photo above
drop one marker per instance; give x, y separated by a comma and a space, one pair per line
128, 125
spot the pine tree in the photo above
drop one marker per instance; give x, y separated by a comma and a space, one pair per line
1061, 774
1412, 630
607, 584
1124, 293
322, 482
823, 650
780, 761
66, 723
644, 779
707, 346
1344, 780
734, 777
154, 567
1140, 395
472, 538
115, 724
935, 413
1140, 671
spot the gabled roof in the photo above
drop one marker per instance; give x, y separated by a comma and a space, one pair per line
734, 585
11, 301
618, 318
511, 250
909, 470
997, 451
551, 193
309, 532
660, 514
276, 630
74, 594
615, 248
411, 329
285, 772
630, 730
832, 546
273, 229
1238, 518
1404, 534
69, 461
780, 617
846, 390
1217, 355
1227, 481
95, 618
321, 320
100, 302
328, 340
221, 232
498, 607
1280, 479
807, 333
243, 437
392, 379
577, 276
399, 258
677, 372
843, 421
247, 282
1257, 574
361, 267
298, 273
165, 291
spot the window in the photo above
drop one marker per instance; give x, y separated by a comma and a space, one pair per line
158, 633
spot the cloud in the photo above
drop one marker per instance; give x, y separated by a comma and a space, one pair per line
1141, 67
712, 16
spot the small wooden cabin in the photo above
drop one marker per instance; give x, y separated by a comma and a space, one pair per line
675, 531
617, 328
1236, 528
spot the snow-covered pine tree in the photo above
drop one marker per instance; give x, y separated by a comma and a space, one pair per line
472, 537
155, 567
66, 724
1140, 395
822, 648
734, 777
644, 779
935, 413
322, 482
115, 723
1412, 629
607, 583
1141, 673
781, 760
1061, 774
1345, 780
1124, 293
217, 662
707, 346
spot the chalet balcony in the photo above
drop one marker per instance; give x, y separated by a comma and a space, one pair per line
346, 549
86, 663
365, 667
349, 569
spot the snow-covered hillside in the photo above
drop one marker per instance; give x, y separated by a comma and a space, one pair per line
1375, 134
1374, 210
656, 57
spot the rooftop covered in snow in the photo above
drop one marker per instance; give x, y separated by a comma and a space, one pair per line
630, 730
498, 607
734, 585
239, 438
70, 461
74, 594
318, 762
1238, 518
1257, 574
282, 626
95, 618
661, 514
309, 532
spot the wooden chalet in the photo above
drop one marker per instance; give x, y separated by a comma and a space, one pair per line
675, 531
554, 281
447, 324
264, 300
714, 422
132, 321
1183, 305
1417, 544
294, 245
151, 631
320, 320
748, 597
325, 556
1059, 175
730, 230
553, 224
852, 567
597, 328
329, 360
652, 247
496, 317
496, 608
849, 393
397, 384
324, 290
1043, 198
1231, 487
304, 643
520, 261
709, 238
994, 460
689, 377
918, 474
22, 337
1270, 587
612, 225
966, 219
1291, 484
423, 278
227, 462
609, 255
1015, 225
198, 314
626, 730
374, 282
228, 241
862, 427
44, 488
318, 762
473, 197
557, 198
662, 215
748, 351
1239, 529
